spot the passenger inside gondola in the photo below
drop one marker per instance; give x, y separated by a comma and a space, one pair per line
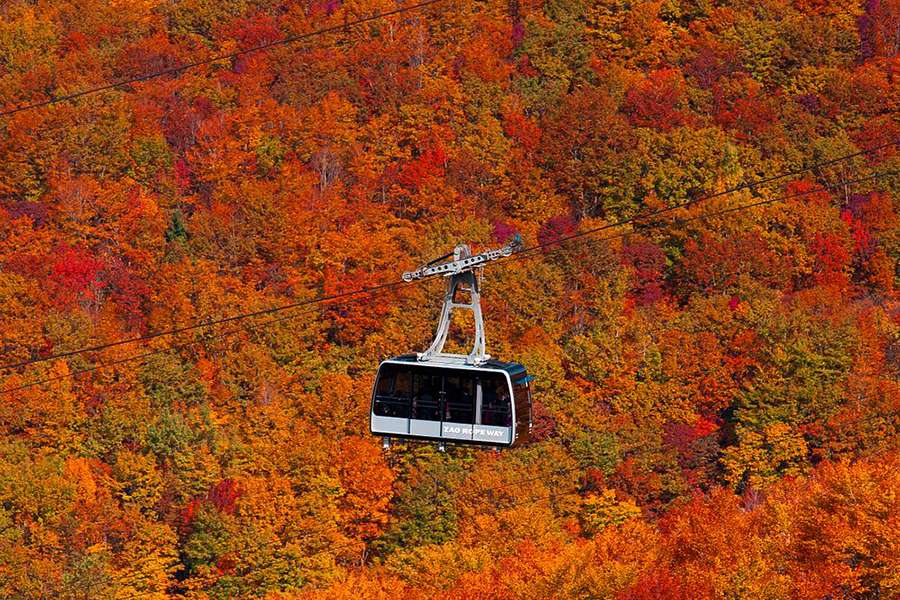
452, 391
392, 394
466, 403
459, 399
427, 389
504, 413
495, 408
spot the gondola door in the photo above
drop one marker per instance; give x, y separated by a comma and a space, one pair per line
494, 421
391, 400
458, 405
425, 408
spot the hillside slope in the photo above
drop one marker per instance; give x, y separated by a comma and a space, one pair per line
716, 397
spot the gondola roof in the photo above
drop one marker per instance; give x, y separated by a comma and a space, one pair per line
459, 360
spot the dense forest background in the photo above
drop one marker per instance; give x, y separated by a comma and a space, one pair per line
717, 399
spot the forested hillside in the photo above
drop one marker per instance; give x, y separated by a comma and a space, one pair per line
717, 394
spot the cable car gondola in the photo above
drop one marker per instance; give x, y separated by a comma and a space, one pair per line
453, 398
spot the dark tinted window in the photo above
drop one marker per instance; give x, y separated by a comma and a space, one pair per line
385, 383
459, 393
392, 392
495, 400
522, 398
403, 384
426, 397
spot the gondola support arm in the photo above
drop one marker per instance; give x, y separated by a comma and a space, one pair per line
463, 273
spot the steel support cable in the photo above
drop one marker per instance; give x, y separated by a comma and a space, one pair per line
219, 58
397, 283
709, 215
579, 237
512, 257
689, 203
174, 347
209, 323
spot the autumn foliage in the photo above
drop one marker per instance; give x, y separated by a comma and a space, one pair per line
717, 394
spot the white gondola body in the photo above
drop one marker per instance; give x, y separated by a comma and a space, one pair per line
464, 399
449, 401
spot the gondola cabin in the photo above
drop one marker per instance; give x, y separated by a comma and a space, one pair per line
453, 398
446, 400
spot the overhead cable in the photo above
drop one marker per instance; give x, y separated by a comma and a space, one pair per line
218, 58
581, 236
397, 283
